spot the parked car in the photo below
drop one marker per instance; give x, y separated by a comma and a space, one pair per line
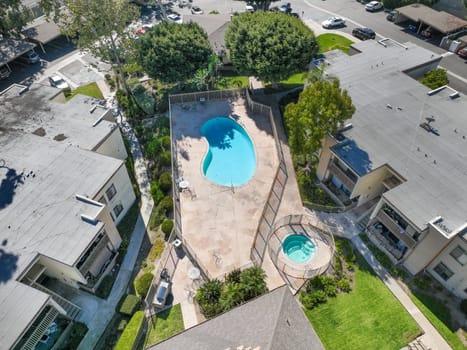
161, 295
30, 57
462, 52
295, 14
364, 33
286, 8
173, 17
374, 6
196, 10
391, 17
249, 7
333, 22
4, 72
140, 31
58, 82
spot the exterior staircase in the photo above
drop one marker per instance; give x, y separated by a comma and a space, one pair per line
72, 310
40, 329
363, 222
417, 344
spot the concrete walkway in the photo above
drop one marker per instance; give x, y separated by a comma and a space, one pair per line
105, 309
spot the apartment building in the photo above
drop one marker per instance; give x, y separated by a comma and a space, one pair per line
63, 188
404, 151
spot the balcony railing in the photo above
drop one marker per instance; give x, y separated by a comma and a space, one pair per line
40, 329
395, 228
343, 176
381, 241
84, 268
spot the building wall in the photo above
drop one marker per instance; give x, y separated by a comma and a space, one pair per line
64, 273
113, 145
370, 186
109, 227
325, 157
124, 193
425, 251
457, 283
419, 71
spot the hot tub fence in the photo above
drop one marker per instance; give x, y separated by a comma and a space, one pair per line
203, 96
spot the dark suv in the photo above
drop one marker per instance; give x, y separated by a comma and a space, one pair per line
364, 33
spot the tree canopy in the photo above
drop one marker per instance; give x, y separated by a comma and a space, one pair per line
13, 17
270, 46
174, 52
321, 108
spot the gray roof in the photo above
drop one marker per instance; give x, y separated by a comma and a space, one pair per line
42, 31
13, 48
36, 111
273, 321
440, 20
390, 106
214, 25
40, 177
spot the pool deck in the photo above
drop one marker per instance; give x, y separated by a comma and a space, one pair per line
219, 223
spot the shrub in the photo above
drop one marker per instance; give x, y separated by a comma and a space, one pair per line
105, 287
167, 227
435, 78
128, 337
208, 296
310, 300
165, 159
233, 276
142, 284
344, 286
130, 304
156, 192
464, 306
165, 182
156, 250
423, 282
321, 282
166, 204
253, 282
121, 325
350, 266
157, 217
330, 290
213, 12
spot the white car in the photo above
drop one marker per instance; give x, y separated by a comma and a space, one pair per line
250, 8
58, 82
196, 10
162, 292
175, 18
374, 6
333, 22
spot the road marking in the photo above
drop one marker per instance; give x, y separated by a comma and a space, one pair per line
446, 54
455, 75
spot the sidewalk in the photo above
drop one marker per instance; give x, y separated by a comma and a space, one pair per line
106, 308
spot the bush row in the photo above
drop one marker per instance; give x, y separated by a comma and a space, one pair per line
128, 337
129, 304
142, 284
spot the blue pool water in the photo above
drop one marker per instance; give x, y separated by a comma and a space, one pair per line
231, 159
298, 248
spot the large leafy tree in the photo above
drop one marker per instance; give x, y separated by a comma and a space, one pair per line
173, 52
101, 28
13, 17
270, 46
321, 109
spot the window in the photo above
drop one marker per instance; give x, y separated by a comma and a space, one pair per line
118, 209
102, 200
443, 271
459, 254
111, 192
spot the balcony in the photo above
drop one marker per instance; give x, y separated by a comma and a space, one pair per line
88, 261
38, 329
396, 227
388, 242
391, 182
347, 178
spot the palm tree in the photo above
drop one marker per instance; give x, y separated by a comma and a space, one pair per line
253, 282
231, 296
201, 79
209, 292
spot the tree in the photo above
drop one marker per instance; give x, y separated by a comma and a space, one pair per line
253, 282
270, 46
231, 296
321, 109
435, 78
13, 17
173, 52
101, 28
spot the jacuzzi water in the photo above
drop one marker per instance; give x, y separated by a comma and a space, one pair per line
298, 248
231, 158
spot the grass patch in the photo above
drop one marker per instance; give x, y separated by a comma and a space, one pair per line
156, 250
369, 317
90, 89
328, 42
77, 334
231, 80
294, 81
164, 325
104, 289
439, 316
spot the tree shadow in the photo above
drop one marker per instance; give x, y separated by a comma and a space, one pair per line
8, 186
8, 264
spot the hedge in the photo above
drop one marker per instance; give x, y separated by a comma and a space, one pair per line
142, 284
165, 182
128, 338
129, 305
167, 226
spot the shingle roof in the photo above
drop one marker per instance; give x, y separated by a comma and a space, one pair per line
273, 321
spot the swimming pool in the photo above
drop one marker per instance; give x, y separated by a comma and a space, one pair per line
230, 159
298, 248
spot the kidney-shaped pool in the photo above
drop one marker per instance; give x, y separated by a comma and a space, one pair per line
230, 159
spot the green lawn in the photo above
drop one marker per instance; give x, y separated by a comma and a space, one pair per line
90, 89
328, 42
438, 314
164, 325
231, 80
292, 82
369, 317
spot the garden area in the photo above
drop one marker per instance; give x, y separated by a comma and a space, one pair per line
328, 42
90, 89
164, 325
445, 312
367, 317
